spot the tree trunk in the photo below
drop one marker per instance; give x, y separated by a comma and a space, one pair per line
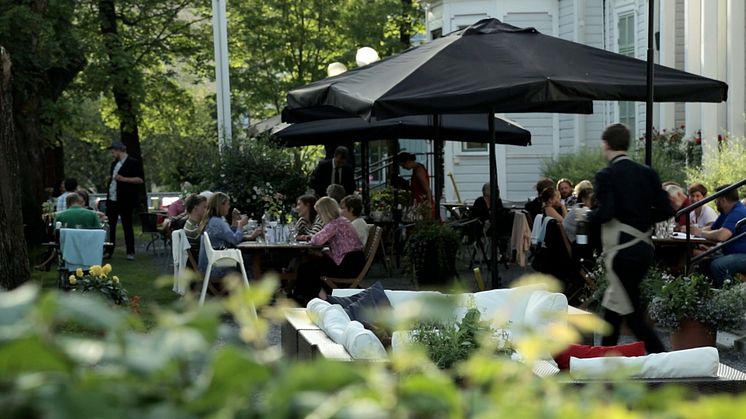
14, 265
122, 76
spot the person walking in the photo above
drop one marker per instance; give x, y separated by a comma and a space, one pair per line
334, 171
126, 176
630, 202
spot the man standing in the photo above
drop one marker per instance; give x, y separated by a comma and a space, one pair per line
126, 178
733, 258
630, 202
333, 171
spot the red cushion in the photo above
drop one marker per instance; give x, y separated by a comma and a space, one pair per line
587, 351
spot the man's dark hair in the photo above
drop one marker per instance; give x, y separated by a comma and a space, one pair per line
617, 137
730, 196
353, 203
192, 201
71, 184
341, 152
543, 183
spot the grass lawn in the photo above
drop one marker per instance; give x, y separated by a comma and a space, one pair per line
138, 277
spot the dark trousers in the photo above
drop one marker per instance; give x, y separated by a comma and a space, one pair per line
114, 210
631, 265
308, 283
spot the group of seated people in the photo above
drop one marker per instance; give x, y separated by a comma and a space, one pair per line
566, 203
323, 221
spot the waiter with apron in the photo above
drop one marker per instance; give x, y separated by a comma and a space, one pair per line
630, 202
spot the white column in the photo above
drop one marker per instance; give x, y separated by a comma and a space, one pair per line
580, 120
736, 16
667, 23
709, 62
222, 79
692, 58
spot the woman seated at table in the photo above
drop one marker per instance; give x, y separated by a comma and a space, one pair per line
222, 235
345, 258
351, 207
309, 223
704, 215
552, 204
585, 201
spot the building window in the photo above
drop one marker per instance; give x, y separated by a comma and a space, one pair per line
469, 147
627, 47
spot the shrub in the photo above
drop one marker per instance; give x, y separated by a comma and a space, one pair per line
692, 297
725, 164
672, 155
431, 252
255, 163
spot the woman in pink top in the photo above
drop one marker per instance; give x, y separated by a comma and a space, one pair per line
345, 258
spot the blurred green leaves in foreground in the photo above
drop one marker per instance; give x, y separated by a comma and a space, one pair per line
192, 364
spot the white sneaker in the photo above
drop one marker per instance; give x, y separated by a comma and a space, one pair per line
130, 256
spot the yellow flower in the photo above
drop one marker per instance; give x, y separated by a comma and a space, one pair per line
106, 268
96, 270
79, 272
72, 279
115, 279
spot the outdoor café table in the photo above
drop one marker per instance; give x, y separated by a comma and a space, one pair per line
259, 249
670, 252
456, 209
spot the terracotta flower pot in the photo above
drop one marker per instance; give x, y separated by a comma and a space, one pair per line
692, 334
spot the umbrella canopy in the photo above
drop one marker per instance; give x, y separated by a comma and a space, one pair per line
494, 65
467, 127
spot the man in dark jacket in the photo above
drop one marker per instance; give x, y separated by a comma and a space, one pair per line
126, 178
630, 202
333, 171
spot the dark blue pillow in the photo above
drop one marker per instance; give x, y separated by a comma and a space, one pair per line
360, 306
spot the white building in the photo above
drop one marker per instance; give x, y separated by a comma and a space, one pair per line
703, 37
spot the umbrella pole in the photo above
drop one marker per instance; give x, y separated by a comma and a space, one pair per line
438, 163
493, 202
365, 163
650, 79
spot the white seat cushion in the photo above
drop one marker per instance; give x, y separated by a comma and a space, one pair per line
688, 363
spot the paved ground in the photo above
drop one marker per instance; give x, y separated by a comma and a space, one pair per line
391, 277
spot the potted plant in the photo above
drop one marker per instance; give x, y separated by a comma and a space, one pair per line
431, 252
448, 343
97, 279
382, 202
694, 311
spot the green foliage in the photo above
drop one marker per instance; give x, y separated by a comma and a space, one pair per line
673, 156
726, 164
692, 297
97, 280
190, 365
448, 343
575, 166
382, 199
254, 163
431, 252
297, 41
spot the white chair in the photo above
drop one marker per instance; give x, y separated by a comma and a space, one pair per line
221, 258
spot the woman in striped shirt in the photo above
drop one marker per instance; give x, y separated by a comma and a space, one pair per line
309, 223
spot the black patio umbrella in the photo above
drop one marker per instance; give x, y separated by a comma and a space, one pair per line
495, 67
467, 127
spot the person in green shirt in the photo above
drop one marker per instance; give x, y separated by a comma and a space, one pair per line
75, 216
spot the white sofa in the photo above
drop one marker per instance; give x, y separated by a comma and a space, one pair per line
528, 308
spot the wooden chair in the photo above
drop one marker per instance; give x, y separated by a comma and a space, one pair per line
374, 240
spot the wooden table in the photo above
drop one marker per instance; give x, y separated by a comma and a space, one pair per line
671, 252
257, 249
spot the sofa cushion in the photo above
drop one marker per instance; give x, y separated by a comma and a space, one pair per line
544, 308
360, 306
587, 351
361, 343
331, 318
688, 363
499, 306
